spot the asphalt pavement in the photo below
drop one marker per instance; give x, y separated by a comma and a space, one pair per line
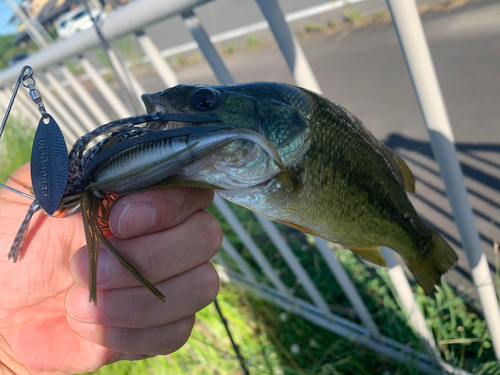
363, 69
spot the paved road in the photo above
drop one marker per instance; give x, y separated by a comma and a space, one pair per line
217, 17
364, 70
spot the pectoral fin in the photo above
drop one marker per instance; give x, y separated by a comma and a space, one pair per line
372, 255
291, 179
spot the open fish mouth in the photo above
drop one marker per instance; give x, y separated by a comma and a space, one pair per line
242, 164
156, 103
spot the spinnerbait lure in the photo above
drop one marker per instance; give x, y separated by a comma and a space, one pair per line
137, 153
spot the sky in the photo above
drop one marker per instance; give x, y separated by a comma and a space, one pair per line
5, 14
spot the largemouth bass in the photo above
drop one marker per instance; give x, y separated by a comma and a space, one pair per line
338, 182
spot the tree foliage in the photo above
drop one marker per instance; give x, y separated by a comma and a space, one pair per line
9, 49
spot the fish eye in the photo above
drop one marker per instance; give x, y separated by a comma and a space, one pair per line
204, 99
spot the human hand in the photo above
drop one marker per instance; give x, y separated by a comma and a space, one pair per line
48, 325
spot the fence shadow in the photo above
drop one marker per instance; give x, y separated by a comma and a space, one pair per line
480, 164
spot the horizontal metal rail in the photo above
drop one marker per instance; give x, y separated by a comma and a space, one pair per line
344, 328
128, 19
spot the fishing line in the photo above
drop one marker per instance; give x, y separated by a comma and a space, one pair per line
235, 346
126, 95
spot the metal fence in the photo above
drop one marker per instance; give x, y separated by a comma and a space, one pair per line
82, 115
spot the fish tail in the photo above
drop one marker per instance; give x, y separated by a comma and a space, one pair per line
428, 269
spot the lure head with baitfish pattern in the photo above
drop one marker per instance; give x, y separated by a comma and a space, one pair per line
94, 173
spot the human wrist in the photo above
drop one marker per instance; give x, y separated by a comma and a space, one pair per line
9, 364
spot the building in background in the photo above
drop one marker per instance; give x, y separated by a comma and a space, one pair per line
46, 12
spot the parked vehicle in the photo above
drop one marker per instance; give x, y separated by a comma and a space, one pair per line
76, 20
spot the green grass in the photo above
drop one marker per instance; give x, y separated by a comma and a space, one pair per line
312, 27
354, 16
15, 146
460, 332
274, 341
252, 44
231, 48
208, 350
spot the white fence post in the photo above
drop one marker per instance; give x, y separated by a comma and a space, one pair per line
163, 69
347, 286
106, 91
126, 76
198, 32
261, 260
70, 127
78, 111
22, 106
84, 95
244, 267
419, 62
294, 264
290, 47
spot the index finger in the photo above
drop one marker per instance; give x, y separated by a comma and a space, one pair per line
156, 210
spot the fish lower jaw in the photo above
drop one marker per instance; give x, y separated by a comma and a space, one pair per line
266, 187
262, 188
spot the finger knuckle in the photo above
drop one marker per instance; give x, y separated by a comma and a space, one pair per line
184, 327
212, 232
206, 198
210, 283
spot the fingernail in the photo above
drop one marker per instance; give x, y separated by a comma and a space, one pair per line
86, 330
78, 305
136, 219
80, 267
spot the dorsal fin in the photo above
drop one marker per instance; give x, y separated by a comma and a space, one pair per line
408, 179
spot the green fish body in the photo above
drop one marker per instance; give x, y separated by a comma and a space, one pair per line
340, 182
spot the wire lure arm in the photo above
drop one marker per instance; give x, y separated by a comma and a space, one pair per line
22, 76
26, 73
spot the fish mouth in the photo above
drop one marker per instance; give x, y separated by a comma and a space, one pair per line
235, 178
167, 108
242, 193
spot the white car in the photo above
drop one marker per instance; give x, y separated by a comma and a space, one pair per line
75, 20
